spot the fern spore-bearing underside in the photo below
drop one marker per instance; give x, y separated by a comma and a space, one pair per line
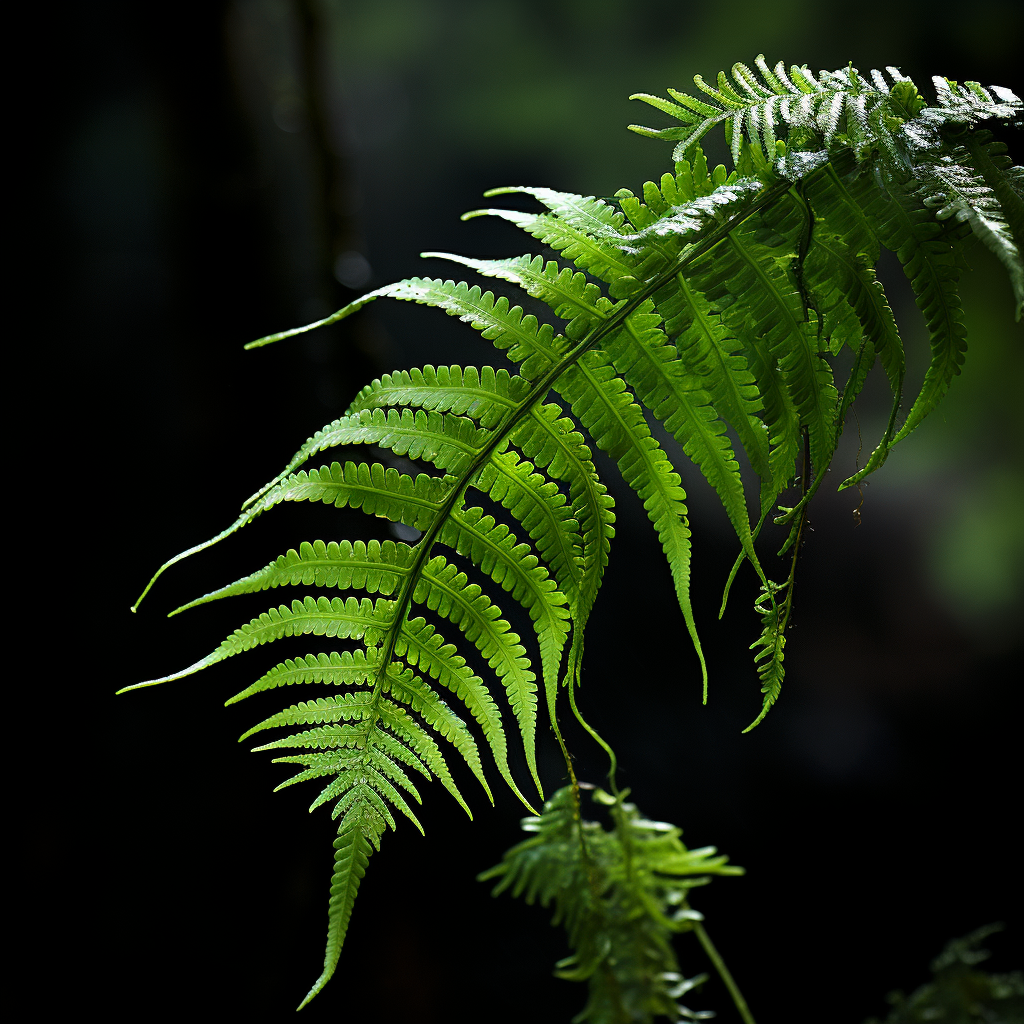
712, 299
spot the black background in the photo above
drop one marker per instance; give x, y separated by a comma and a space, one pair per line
874, 810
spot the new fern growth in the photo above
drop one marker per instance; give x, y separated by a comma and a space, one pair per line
621, 895
709, 300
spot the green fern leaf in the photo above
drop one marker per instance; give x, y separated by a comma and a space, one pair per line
445, 590
759, 111
360, 834
587, 231
834, 198
552, 442
769, 649
421, 645
508, 328
772, 309
410, 741
348, 667
651, 366
347, 618
989, 199
442, 587
331, 737
712, 353
616, 423
484, 395
929, 261
601, 404
540, 507
714, 299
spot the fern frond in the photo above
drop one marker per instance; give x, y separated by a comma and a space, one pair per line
421, 645
595, 217
845, 242
380, 568
444, 589
651, 365
772, 310
347, 618
929, 260
373, 567
348, 667
701, 334
495, 549
970, 104
376, 767
378, 782
855, 313
370, 744
445, 440
377, 489
331, 737
541, 508
1006, 181
713, 354
616, 423
714, 299
839, 275
352, 618
689, 209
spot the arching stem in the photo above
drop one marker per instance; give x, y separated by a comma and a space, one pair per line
723, 972
575, 659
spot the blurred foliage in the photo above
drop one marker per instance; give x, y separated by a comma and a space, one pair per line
504, 79
961, 994
621, 894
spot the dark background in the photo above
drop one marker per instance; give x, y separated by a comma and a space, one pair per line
216, 172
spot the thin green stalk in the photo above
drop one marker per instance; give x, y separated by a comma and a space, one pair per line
577, 807
723, 972
613, 761
796, 536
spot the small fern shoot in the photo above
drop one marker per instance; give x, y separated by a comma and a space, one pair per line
621, 895
714, 299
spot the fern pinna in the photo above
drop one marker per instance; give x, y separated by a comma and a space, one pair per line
712, 299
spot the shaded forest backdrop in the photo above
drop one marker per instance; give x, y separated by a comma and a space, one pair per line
219, 172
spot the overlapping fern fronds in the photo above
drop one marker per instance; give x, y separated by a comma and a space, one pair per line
711, 300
